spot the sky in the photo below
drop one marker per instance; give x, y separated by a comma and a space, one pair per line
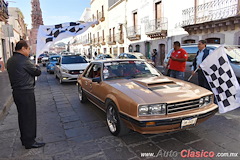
53, 11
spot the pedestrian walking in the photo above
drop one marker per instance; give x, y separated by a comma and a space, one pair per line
154, 56
202, 53
22, 74
177, 62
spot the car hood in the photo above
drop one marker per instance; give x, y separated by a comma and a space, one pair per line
158, 90
76, 66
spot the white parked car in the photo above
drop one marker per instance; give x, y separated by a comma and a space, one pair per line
45, 60
69, 67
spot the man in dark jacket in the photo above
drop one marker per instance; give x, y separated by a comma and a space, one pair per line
202, 53
22, 74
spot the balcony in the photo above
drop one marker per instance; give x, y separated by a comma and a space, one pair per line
134, 33
86, 42
97, 41
157, 28
101, 17
211, 11
212, 17
93, 19
120, 38
3, 11
102, 40
111, 40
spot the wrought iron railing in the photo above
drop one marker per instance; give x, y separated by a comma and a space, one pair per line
133, 31
111, 39
101, 16
156, 25
214, 10
101, 39
86, 41
4, 9
119, 37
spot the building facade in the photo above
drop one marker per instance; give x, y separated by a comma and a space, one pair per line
36, 22
216, 21
155, 24
4, 51
16, 19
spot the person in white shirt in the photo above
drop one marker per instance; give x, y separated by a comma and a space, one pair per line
202, 53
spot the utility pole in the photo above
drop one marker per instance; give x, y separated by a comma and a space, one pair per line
195, 11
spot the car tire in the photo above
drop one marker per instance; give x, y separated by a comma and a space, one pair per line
115, 125
82, 96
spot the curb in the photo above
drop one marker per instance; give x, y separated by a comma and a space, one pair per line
6, 108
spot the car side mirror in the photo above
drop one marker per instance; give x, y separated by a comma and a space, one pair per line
97, 79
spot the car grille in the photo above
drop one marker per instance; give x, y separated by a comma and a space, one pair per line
76, 71
183, 106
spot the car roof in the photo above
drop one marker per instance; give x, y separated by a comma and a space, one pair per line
71, 55
208, 45
55, 56
116, 60
133, 53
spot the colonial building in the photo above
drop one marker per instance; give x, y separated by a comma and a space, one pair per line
81, 43
216, 21
58, 47
127, 26
36, 22
4, 52
16, 19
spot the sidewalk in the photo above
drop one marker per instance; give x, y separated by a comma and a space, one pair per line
5, 94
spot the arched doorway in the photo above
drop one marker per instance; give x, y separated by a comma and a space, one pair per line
213, 40
130, 48
137, 48
162, 53
147, 50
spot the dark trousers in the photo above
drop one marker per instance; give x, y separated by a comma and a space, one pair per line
202, 81
26, 107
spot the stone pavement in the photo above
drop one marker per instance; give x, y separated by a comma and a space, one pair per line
78, 131
5, 94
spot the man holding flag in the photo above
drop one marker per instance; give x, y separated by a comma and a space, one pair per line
202, 53
222, 80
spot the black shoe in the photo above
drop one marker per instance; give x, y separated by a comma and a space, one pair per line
35, 145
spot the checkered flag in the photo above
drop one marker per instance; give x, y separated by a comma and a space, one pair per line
222, 80
47, 35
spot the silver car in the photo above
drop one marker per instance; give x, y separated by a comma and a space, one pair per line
69, 67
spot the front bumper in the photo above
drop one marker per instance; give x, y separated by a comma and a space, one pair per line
165, 125
66, 77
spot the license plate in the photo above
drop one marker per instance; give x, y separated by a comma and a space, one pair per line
188, 122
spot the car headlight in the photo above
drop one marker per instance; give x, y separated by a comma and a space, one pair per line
205, 100
153, 109
65, 70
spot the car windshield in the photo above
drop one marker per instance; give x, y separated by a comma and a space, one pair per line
53, 59
233, 53
128, 70
73, 59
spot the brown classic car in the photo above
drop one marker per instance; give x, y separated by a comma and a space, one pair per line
136, 96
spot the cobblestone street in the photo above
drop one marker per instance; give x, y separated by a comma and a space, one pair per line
73, 130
